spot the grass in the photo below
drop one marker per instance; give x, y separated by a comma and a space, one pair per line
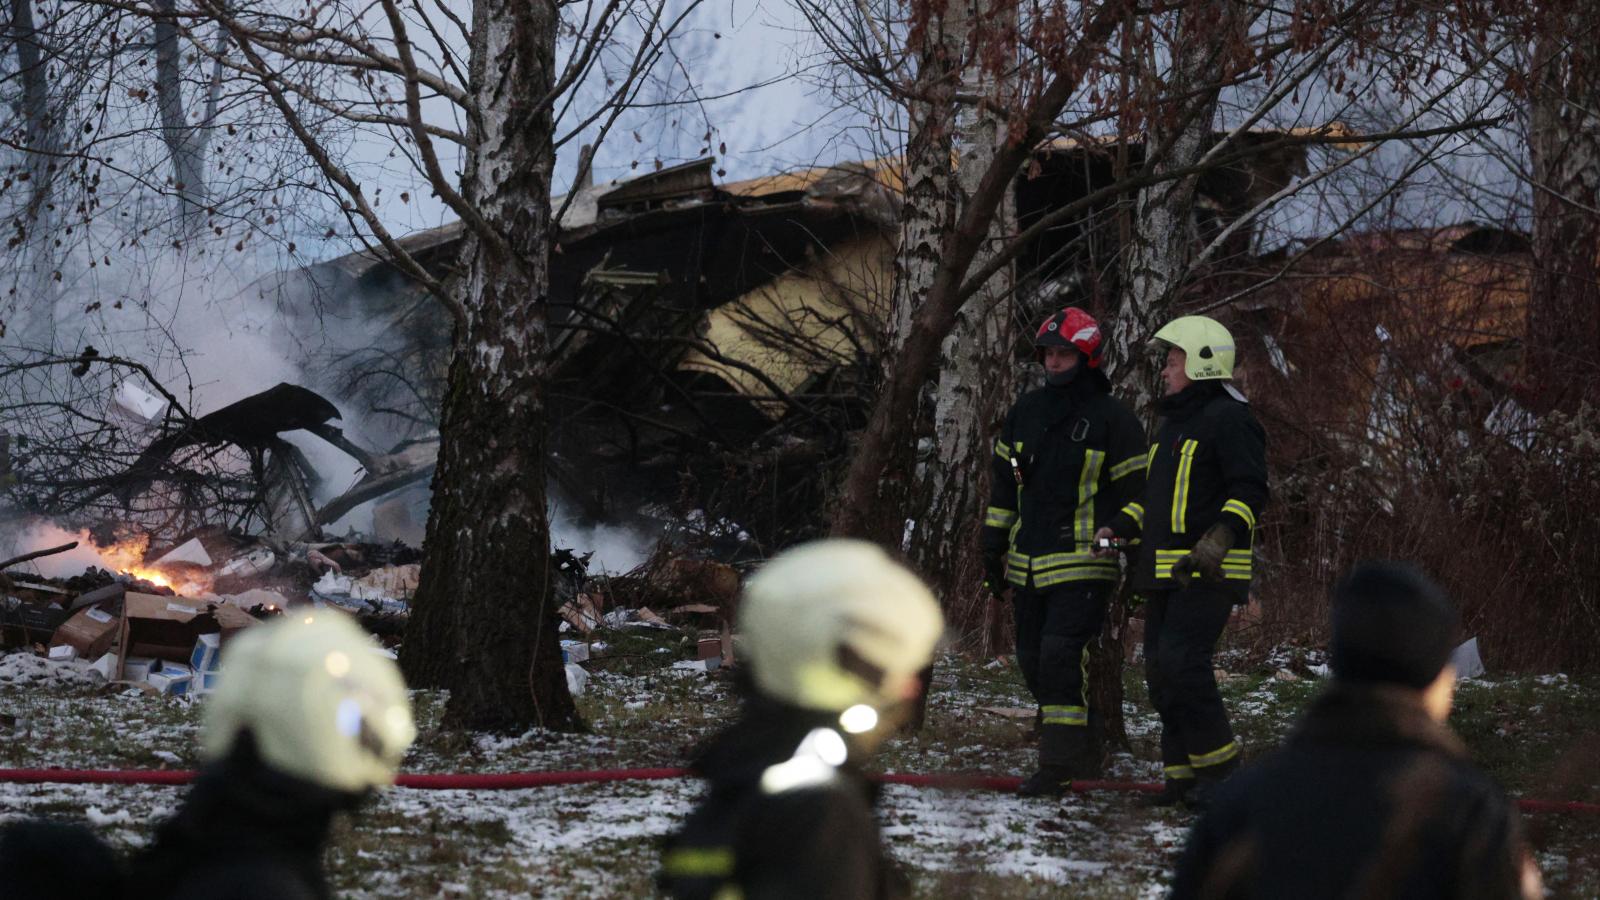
1539, 737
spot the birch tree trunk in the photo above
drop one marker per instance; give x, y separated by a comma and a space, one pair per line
185, 143
1564, 144
927, 214
33, 284
974, 375
484, 624
1155, 264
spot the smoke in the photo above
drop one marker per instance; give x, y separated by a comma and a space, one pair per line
42, 535
617, 548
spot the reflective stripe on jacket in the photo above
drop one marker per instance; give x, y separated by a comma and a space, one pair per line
1080, 456
1208, 464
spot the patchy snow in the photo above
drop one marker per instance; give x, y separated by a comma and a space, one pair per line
23, 669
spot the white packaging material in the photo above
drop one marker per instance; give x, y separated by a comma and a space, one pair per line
63, 653
173, 679
207, 648
138, 668
255, 597
137, 404
253, 563
333, 583
105, 666
577, 679
190, 551
574, 651
1468, 663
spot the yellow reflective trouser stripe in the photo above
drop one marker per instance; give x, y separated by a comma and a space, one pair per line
1064, 715
1129, 466
1180, 488
1135, 511
698, 862
1088, 483
999, 517
1002, 450
1176, 772
1242, 510
1216, 757
1150, 456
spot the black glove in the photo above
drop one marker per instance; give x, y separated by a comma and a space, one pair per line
994, 571
1205, 559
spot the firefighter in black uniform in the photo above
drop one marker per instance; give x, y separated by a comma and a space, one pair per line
1205, 486
835, 633
1069, 456
1372, 796
306, 722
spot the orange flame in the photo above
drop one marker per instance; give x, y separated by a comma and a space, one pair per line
127, 557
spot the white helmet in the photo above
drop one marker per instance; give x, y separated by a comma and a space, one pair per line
834, 624
320, 700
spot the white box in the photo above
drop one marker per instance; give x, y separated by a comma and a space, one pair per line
207, 649
175, 682
63, 653
138, 668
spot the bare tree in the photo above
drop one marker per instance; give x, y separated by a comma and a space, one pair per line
483, 623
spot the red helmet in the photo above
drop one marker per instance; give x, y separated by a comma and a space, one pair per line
1072, 327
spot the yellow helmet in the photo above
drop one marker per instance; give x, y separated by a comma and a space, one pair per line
835, 624
1207, 346
318, 697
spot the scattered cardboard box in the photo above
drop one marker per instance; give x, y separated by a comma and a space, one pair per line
583, 614
167, 627
90, 631
171, 679
574, 651
138, 668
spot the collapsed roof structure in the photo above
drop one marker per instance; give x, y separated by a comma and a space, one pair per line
722, 339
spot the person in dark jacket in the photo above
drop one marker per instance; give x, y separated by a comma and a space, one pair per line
835, 634
1372, 796
307, 720
1205, 486
1068, 457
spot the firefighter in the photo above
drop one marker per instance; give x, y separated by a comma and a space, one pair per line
1068, 457
308, 720
1372, 796
835, 634
1205, 486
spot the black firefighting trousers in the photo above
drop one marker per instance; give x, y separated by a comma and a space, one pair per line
1054, 628
1181, 629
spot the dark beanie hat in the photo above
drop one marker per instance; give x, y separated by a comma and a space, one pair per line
1391, 624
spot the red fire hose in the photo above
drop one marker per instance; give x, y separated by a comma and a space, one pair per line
522, 780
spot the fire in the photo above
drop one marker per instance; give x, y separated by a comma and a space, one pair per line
127, 557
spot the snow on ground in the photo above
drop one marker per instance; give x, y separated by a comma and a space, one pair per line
601, 839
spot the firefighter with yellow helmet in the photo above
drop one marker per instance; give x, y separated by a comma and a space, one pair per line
1205, 487
308, 719
835, 633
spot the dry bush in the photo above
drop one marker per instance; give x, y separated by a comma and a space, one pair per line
1399, 434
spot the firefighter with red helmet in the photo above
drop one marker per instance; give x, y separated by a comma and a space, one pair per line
1068, 458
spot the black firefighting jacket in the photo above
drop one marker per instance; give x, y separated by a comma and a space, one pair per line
1208, 464
245, 831
777, 823
1067, 459
1369, 798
